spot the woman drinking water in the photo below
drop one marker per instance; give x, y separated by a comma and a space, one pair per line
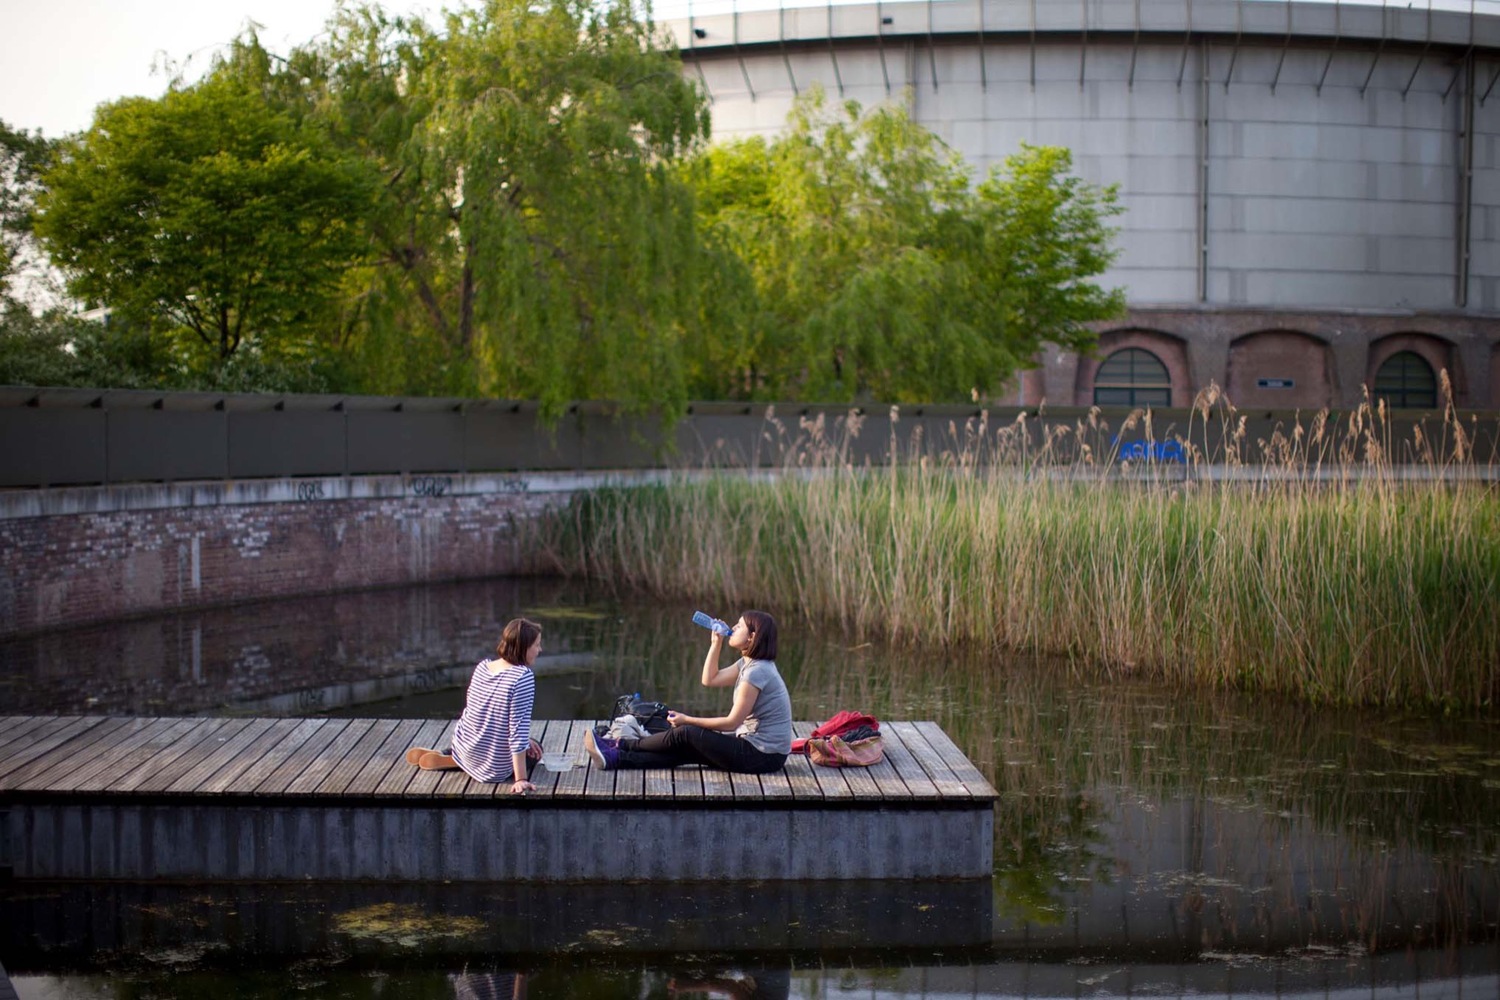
754, 738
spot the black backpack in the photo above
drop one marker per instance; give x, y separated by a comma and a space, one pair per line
652, 715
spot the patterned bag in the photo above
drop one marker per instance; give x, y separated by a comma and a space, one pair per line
833, 751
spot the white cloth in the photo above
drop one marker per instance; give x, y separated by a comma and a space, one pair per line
627, 727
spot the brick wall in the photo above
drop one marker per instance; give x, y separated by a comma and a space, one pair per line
124, 557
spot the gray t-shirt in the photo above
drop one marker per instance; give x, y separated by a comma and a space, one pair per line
769, 724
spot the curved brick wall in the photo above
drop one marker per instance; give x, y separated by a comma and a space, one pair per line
82, 555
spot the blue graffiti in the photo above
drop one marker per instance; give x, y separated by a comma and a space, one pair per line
1150, 451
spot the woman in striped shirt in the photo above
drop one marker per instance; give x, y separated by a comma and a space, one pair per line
492, 742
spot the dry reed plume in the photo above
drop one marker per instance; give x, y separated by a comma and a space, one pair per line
1308, 563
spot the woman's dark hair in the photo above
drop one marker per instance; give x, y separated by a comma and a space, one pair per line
763, 646
517, 638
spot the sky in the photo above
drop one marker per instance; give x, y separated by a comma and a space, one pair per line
59, 59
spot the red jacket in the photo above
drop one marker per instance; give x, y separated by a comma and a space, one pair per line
840, 723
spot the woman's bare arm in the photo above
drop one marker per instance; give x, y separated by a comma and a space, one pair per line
745, 696
713, 677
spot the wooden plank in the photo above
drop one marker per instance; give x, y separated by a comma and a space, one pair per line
554, 739
249, 778
9, 723
798, 768
948, 785
656, 783
288, 733
17, 727
776, 785
541, 776
599, 784
260, 732
400, 773
456, 784
571, 784
144, 756
389, 760
716, 783
687, 783
305, 756
861, 783
313, 772
101, 755
334, 757
424, 783
374, 752
958, 762
886, 779
912, 775
194, 756
630, 786
48, 737
180, 756
36, 774
746, 787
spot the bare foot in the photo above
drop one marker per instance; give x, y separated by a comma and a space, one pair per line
434, 761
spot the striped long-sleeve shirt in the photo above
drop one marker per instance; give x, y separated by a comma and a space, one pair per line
496, 720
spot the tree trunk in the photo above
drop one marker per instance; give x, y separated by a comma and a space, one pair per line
225, 350
466, 299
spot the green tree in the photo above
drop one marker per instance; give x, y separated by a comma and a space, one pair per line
880, 271
530, 238
58, 347
22, 158
208, 215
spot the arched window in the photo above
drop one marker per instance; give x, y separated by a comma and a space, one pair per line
1406, 381
1132, 377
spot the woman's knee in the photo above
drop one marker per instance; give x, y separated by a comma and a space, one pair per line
685, 735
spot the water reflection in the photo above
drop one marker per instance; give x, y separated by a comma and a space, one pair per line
85, 926
1147, 841
1430, 976
289, 657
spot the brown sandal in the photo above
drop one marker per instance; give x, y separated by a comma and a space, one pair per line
414, 755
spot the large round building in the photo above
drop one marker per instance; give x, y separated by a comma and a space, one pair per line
1312, 189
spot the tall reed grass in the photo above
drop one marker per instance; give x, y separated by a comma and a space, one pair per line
1307, 564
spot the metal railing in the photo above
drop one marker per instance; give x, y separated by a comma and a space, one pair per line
62, 437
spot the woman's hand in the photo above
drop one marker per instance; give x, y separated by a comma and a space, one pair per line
521, 787
534, 752
675, 719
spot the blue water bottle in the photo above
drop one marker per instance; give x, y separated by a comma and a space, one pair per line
712, 624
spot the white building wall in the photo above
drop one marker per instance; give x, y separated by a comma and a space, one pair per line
1316, 199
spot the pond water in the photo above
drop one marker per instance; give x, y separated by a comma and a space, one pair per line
1148, 842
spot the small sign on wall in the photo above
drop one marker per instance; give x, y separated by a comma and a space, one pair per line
1275, 383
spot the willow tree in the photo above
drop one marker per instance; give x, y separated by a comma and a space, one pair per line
881, 271
531, 237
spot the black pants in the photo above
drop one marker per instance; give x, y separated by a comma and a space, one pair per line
694, 745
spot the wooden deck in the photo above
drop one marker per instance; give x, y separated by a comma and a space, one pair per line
65, 780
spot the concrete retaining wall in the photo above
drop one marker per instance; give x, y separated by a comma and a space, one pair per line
491, 842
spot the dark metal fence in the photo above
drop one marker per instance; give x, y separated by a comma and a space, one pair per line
54, 437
